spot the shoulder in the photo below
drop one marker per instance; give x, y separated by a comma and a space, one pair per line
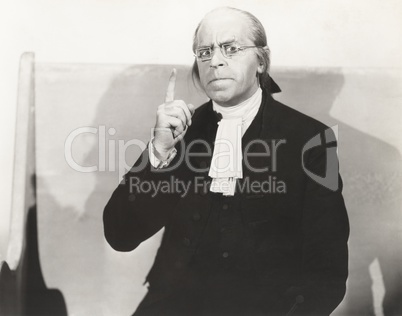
291, 121
201, 125
202, 120
202, 113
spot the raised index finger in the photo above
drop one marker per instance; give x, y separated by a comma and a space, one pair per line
171, 85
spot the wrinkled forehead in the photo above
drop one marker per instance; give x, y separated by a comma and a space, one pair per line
224, 27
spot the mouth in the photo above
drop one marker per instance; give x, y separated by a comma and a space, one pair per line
218, 79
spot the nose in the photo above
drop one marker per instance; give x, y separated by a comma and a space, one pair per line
217, 60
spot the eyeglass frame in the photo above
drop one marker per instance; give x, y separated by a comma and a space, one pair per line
221, 46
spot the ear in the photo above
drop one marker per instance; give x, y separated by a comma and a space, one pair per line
260, 68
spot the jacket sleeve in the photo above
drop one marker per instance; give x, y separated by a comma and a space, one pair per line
138, 208
325, 227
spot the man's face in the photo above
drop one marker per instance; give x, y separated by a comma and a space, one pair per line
228, 81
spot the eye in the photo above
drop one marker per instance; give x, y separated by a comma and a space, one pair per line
204, 53
231, 49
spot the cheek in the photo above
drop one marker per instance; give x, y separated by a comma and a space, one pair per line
202, 70
249, 75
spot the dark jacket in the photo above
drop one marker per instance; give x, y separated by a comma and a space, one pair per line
294, 237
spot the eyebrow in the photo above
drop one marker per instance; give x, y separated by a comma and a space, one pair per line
226, 41
205, 46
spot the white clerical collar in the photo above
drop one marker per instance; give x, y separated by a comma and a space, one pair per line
226, 164
245, 110
239, 109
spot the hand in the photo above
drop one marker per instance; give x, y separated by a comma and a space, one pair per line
172, 120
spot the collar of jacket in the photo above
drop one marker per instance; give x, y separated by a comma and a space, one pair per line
267, 114
274, 88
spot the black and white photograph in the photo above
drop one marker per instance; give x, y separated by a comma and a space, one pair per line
179, 158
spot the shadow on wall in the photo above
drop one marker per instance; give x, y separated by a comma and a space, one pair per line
371, 171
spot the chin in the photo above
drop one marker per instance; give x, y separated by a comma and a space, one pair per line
220, 97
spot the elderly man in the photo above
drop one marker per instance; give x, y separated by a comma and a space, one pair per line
259, 230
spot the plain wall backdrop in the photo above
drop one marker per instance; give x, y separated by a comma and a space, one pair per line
301, 33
